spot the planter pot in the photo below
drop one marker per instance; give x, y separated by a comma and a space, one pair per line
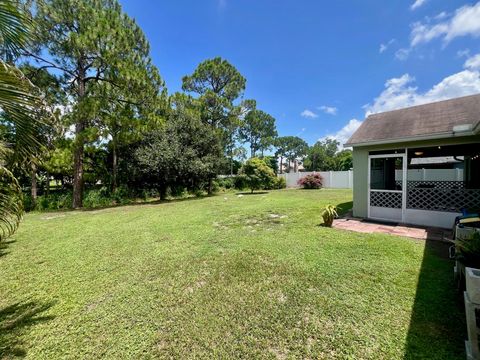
328, 222
472, 277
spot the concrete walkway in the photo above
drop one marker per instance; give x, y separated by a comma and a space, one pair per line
416, 232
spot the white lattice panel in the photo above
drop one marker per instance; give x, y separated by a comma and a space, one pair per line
386, 199
443, 199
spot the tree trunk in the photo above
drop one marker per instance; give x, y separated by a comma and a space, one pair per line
78, 152
162, 192
281, 164
34, 189
78, 167
210, 187
114, 165
47, 188
295, 166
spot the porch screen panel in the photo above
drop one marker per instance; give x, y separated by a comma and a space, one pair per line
386, 182
386, 174
444, 178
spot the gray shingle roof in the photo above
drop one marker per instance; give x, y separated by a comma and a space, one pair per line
432, 119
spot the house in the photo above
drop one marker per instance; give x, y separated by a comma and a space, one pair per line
419, 165
287, 166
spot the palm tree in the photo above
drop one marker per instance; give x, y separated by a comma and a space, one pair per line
19, 102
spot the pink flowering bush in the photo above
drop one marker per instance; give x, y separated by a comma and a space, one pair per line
314, 181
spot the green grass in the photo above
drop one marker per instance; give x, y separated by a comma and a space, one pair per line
223, 277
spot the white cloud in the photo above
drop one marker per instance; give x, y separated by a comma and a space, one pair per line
441, 16
384, 47
463, 53
344, 133
417, 4
402, 54
308, 114
473, 63
328, 109
397, 94
465, 21
401, 92
422, 33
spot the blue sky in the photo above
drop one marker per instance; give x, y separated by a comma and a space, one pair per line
320, 66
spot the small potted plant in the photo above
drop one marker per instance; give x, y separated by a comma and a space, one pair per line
329, 213
468, 250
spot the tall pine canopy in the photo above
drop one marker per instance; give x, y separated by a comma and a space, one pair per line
103, 57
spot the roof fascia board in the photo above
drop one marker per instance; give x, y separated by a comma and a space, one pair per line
417, 138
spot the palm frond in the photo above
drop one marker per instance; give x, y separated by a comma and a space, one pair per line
14, 27
20, 104
11, 203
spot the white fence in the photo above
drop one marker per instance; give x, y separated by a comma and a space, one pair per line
344, 179
331, 179
431, 175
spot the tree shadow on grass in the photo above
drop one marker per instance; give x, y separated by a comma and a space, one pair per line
137, 203
437, 323
343, 208
4, 246
254, 193
14, 321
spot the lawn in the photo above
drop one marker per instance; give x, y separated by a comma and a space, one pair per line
227, 276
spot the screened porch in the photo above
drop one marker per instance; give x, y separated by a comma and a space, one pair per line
427, 186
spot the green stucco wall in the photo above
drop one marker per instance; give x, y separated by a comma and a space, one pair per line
360, 181
360, 166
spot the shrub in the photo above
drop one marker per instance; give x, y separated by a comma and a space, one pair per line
121, 194
198, 193
54, 201
328, 214
226, 182
146, 194
313, 181
215, 187
278, 183
97, 198
28, 204
240, 182
177, 191
258, 174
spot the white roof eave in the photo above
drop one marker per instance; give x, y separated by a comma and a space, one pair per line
437, 136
